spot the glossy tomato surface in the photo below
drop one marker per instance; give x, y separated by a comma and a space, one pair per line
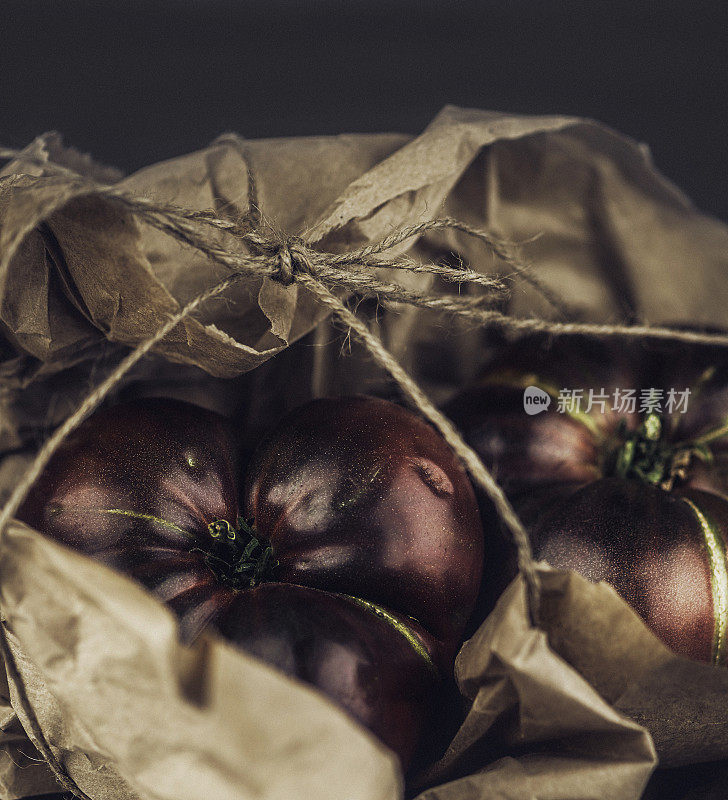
358, 495
372, 662
149, 488
635, 495
136, 486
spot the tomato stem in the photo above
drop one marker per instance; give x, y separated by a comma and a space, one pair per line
645, 455
236, 555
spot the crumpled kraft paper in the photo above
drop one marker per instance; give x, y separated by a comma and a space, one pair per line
23, 771
565, 741
132, 713
81, 281
681, 702
600, 226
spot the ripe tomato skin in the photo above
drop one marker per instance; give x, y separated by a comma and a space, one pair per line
358, 495
135, 486
648, 544
634, 499
346, 650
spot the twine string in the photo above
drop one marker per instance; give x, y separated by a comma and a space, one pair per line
184, 226
467, 455
291, 260
288, 259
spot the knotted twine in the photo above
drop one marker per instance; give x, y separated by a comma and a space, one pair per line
288, 259
291, 259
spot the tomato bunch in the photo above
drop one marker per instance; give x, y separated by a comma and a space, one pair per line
352, 559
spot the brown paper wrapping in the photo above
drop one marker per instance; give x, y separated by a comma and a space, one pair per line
97, 671
131, 713
564, 740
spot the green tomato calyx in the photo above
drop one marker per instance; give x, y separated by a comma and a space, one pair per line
237, 556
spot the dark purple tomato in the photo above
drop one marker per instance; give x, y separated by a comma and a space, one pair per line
149, 488
377, 665
360, 496
136, 486
635, 496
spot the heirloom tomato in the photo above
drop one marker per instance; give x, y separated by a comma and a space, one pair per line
623, 477
358, 495
149, 488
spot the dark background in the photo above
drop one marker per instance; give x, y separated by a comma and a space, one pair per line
136, 82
